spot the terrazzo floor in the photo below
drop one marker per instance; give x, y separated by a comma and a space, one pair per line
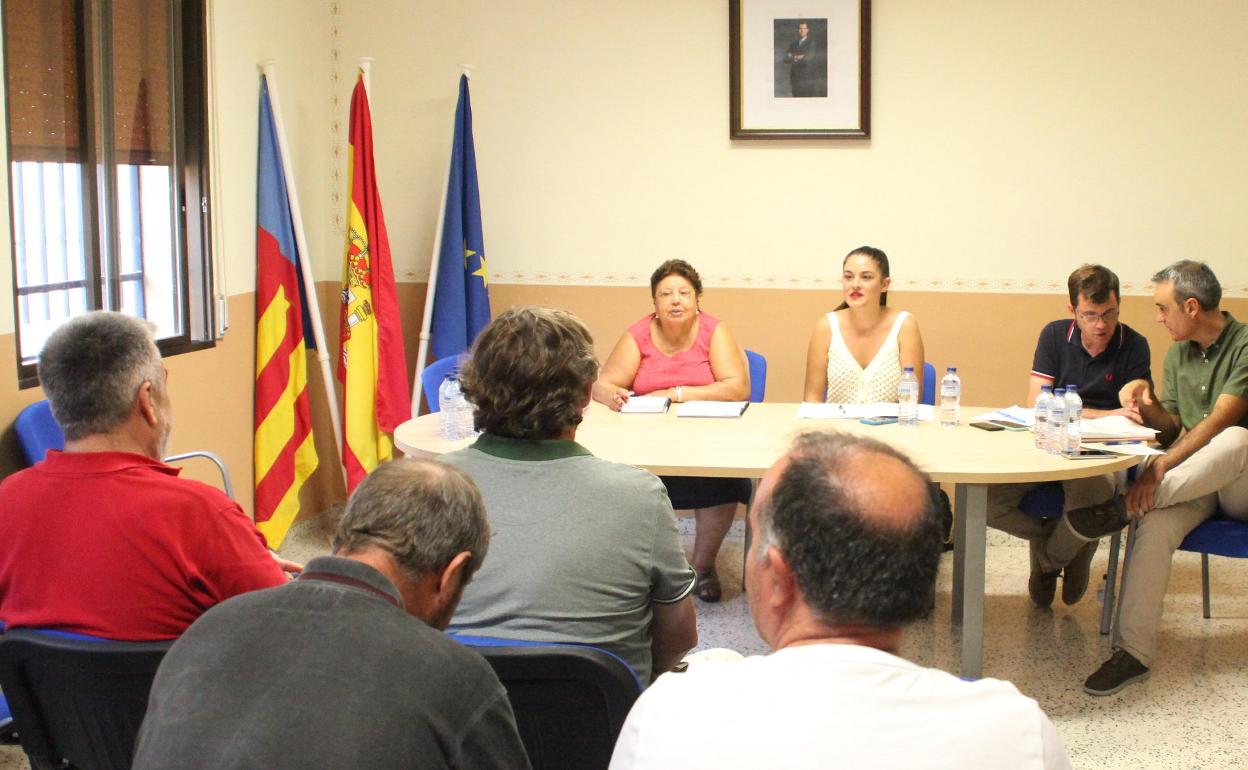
1192, 712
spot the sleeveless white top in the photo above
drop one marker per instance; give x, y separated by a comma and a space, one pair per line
851, 383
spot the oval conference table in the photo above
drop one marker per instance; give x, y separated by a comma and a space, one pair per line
745, 447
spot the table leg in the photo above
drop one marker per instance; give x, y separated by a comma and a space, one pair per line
968, 573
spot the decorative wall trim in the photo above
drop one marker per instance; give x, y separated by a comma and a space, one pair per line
817, 283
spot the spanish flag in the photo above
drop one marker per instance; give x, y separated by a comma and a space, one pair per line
285, 454
371, 366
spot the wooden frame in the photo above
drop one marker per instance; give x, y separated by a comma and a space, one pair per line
799, 70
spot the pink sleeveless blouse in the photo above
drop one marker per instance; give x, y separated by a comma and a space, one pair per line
690, 367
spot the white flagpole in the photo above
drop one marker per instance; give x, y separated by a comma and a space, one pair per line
423, 351
305, 261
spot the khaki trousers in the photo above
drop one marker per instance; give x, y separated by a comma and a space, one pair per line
1188, 494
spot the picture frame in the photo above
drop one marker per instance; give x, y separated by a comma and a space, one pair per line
799, 69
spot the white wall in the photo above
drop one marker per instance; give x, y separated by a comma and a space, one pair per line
1011, 141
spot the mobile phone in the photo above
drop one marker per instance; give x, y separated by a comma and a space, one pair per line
878, 420
988, 426
1090, 454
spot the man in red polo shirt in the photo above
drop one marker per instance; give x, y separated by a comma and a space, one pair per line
103, 538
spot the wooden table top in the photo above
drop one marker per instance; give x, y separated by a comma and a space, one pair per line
745, 447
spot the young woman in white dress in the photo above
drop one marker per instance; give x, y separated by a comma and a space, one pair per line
858, 350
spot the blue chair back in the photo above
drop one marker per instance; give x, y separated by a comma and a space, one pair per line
77, 701
37, 431
758, 375
432, 376
928, 396
570, 700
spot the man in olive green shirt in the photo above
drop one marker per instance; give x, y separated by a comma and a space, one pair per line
1203, 422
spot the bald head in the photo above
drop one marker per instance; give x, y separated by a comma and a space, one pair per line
859, 527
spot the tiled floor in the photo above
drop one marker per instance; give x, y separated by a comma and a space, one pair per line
1192, 713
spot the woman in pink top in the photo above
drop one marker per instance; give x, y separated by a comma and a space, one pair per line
686, 355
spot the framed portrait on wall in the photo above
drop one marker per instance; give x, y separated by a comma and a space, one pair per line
799, 69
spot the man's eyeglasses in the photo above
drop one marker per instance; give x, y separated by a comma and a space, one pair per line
1109, 316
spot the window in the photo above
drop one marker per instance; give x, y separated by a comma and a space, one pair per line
107, 166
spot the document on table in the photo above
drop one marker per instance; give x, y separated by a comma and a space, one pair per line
1015, 414
818, 411
1115, 426
712, 408
646, 405
1123, 448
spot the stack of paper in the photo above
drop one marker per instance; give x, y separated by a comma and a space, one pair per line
712, 408
1114, 426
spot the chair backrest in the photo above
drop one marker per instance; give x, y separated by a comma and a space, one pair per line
431, 378
928, 396
570, 700
758, 375
37, 431
77, 700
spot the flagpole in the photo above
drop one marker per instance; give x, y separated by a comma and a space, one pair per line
366, 65
305, 262
423, 351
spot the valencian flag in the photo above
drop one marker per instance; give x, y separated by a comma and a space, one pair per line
371, 365
461, 304
284, 451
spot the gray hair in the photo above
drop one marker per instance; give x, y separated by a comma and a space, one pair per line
1192, 280
851, 566
421, 512
91, 369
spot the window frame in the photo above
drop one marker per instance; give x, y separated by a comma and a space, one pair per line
190, 171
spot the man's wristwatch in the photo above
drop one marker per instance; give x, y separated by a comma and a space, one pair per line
679, 395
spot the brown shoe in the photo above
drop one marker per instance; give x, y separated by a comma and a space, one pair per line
1096, 521
1075, 575
1040, 585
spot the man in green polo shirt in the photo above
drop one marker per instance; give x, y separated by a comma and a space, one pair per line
1202, 417
584, 550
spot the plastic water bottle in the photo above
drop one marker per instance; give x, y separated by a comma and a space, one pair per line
1043, 401
908, 398
449, 396
1074, 413
1057, 421
464, 416
950, 398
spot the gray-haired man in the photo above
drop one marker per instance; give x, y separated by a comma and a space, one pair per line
1202, 417
346, 666
104, 538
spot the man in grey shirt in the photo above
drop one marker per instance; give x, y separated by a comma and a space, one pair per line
346, 666
584, 550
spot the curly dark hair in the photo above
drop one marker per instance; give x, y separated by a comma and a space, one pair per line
676, 267
529, 373
852, 564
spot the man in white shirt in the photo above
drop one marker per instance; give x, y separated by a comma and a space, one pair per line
846, 553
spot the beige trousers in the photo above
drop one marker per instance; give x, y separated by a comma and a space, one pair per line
1188, 494
1054, 543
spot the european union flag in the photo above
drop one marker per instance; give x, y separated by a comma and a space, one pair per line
461, 303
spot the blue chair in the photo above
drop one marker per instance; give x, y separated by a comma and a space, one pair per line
928, 396
758, 375
77, 701
570, 700
37, 432
1218, 536
432, 376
